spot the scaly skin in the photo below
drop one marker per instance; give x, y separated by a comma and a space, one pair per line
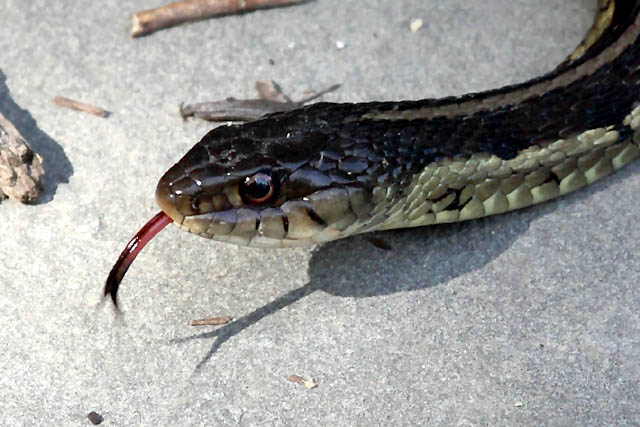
335, 170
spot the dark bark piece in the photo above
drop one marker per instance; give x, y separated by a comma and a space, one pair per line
20, 168
180, 12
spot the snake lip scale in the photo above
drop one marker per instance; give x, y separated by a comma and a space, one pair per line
332, 170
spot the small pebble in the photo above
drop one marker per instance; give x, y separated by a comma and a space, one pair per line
95, 418
415, 25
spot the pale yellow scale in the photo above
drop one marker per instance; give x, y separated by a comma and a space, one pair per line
491, 185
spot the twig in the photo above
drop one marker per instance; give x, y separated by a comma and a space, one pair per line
272, 100
179, 12
310, 95
20, 168
309, 384
232, 109
211, 321
271, 91
80, 106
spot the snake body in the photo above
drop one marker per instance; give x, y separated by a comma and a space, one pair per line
331, 170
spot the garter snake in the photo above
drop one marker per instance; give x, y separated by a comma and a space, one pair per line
331, 170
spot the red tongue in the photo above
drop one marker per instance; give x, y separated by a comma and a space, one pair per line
135, 245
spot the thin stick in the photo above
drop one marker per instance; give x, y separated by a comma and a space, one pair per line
211, 321
233, 109
80, 106
272, 100
271, 91
179, 12
309, 383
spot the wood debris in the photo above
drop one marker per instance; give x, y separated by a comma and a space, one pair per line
211, 321
271, 91
20, 168
234, 109
307, 383
81, 106
169, 15
272, 100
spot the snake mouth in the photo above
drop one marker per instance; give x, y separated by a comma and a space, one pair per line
318, 218
165, 198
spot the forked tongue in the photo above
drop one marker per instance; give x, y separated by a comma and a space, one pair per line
135, 245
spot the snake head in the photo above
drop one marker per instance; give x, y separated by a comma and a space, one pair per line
264, 185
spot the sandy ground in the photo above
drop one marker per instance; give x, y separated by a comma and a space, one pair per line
528, 318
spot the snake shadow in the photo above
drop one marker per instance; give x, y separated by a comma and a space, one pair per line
419, 258
56, 165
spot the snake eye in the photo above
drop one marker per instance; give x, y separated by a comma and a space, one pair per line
258, 188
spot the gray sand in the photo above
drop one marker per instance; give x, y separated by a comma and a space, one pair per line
528, 318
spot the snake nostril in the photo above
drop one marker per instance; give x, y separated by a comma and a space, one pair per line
202, 204
196, 204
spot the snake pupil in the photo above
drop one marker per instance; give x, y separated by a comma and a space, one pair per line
257, 188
